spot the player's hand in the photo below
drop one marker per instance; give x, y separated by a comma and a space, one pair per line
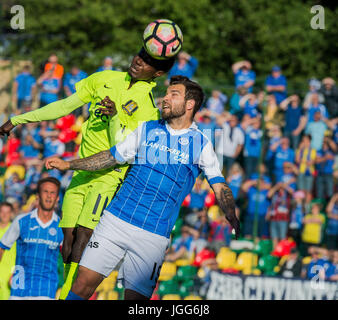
6, 128
57, 163
110, 108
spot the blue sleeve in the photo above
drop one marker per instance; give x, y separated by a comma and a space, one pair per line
193, 62
268, 81
253, 75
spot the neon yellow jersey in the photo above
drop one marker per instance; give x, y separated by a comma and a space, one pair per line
134, 105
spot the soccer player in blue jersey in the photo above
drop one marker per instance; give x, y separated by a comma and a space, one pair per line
167, 156
38, 239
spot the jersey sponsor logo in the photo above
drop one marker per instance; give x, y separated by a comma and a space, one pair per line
34, 228
107, 87
51, 244
130, 107
93, 244
178, 155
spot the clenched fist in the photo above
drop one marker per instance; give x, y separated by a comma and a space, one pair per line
6, 128
110, 108
57, 163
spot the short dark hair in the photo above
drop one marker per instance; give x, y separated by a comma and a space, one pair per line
160, 65
193, 91
48, 179
6, 204
307, 136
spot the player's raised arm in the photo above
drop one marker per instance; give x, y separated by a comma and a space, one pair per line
226, 202
51, 111
98, 161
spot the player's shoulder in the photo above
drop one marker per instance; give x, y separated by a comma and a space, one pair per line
23, 217
107, 76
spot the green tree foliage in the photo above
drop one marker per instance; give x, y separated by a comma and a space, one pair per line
217, 32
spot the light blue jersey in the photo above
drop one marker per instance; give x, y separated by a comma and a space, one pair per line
37, 251
166, 163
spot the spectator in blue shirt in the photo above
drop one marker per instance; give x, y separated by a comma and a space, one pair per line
216, 103
324, 165
50, 88
276, 84
252, 146
107, 65
332, 223
258, 201
23, 87
316, 130
294, 117
208, 126
72, 77
235, 179
313, 107
185, 66
53, 147
30, 148
244, 75
249, 104
235, 107
281, 152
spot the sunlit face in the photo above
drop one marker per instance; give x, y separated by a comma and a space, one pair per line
140, 70
48, 196
173, 105
5, 214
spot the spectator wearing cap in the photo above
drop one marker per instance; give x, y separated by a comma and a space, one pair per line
297, 215
244, 75
107, 64
330, 93
305, 159
276, 84
186, 65
332, 223
292, 267
231, 141
24, 87
294, 119
325, 166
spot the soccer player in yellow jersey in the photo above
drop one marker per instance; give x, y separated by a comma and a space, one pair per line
119, 102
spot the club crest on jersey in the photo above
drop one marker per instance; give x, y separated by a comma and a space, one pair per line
183, 141
130, 107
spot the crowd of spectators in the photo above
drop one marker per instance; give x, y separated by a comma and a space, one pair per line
278, 152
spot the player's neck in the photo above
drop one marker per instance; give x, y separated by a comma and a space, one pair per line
179, 123
45, 215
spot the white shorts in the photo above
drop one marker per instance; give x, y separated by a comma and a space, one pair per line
142, 252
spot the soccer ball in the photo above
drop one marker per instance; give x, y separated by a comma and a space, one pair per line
162, 39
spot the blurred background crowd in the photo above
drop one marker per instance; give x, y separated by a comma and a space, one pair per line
277, 150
